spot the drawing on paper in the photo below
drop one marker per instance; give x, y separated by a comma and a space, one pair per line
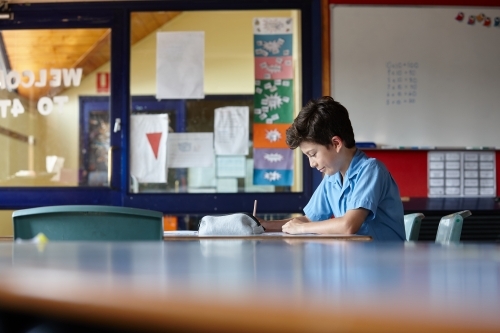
275, 157
273, 135
272, 176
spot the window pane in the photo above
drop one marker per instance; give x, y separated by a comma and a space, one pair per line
250, 93
6, 228
50, 134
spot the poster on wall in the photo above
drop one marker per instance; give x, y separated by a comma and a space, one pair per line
273, 100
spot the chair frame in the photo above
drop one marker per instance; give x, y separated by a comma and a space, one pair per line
88, 222
412, 225
450, 227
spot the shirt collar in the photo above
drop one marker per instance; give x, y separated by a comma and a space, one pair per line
353, 169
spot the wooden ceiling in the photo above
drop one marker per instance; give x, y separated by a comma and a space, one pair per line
70, 48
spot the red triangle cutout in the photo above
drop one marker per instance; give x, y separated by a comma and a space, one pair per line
154, 142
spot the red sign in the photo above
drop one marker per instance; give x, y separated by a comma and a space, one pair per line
102, 82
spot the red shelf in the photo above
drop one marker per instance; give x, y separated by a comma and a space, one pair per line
408, 167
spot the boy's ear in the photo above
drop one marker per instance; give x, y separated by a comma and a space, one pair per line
337, 142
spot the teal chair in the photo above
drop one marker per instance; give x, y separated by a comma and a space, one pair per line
88, 223
412, 225
450, 227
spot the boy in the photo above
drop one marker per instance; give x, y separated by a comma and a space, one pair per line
357, 194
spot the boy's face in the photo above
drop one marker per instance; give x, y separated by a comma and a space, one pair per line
326, 159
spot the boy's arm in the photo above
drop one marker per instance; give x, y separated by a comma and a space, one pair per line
347, 224
276, 225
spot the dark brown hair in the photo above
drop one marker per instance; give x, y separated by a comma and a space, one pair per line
318, 122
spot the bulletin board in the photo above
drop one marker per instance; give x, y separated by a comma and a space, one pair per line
418, 76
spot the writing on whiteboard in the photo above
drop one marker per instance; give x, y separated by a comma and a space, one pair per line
401, 82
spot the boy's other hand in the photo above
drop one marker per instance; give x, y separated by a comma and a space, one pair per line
294, 226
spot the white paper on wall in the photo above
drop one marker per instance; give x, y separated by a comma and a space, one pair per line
231, 166
231, 130
148, 148
201, 177
227, 185
187, 150
180, 58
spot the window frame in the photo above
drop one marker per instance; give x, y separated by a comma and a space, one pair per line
116, 15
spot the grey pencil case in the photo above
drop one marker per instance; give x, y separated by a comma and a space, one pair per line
239, 224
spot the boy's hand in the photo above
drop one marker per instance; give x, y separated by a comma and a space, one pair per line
294, 226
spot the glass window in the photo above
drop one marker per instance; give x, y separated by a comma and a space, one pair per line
6, 227
49, 135
231, 137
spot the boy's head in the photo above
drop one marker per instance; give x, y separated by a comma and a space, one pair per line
318, 122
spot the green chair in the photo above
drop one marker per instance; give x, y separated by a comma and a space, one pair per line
450, 227
412, 225
88, 223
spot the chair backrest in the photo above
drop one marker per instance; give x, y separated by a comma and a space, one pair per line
412, 225
88, 222
450, 227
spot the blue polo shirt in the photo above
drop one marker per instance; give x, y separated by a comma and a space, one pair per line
367, 184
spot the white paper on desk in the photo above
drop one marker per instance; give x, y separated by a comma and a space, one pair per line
186, 150
284, 234
231, 130
180, 64
180, 233
148, 147
231, 166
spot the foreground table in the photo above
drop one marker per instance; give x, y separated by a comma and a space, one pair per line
243, 285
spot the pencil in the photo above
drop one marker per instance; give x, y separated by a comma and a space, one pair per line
254, 207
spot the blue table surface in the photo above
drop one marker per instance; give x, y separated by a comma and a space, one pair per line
455, 287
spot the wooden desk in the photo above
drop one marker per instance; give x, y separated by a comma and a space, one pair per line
193, 235
254, 286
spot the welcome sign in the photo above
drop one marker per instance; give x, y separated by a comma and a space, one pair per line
54, 77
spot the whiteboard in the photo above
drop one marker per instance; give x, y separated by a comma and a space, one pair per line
449, 73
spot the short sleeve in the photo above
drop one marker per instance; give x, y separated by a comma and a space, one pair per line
368, 187
318, 208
